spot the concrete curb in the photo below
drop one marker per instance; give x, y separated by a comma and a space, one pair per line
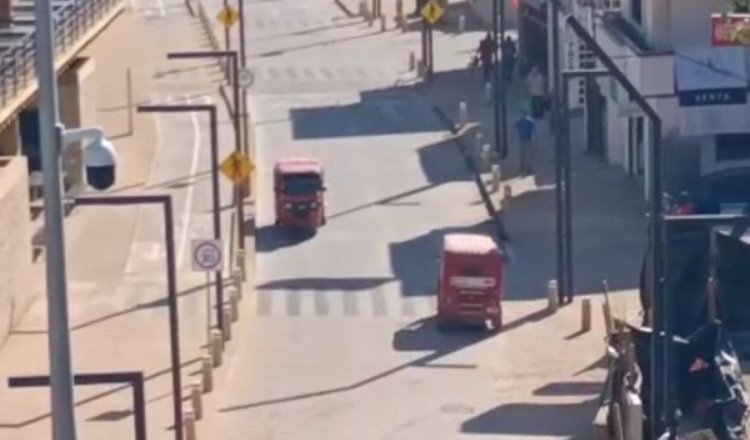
345, 9
459, 139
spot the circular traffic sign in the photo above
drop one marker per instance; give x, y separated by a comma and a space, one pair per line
207, 256
245, 78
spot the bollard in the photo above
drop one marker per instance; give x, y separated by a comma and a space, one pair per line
402, 22
241, 264
383, 25
196, 399
412, 61
237, 281
485, 159
227, 324
420, 69
488, 92
463, 114
363, 8
207, 373
234, 305
399, 8
495, 182
552, 298
188, 422
461, 23
217, 347
370, 17
507, 192
585, 315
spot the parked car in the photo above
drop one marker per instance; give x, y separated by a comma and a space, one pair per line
726, 191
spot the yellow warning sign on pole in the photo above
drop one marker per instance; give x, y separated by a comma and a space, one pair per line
237, 167
228, 16
432, 12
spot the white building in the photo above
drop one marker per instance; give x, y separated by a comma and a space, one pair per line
700, 91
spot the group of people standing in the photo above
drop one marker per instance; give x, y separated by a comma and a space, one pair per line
536, 84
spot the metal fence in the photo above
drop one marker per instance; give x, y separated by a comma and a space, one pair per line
71, 22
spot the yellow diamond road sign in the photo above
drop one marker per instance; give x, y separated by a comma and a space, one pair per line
237, 167
228, 16
432, 12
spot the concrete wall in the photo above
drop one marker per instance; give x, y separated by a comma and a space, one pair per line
15, 243
76, 110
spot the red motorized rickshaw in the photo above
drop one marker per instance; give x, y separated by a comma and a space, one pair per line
470, 282
298, 190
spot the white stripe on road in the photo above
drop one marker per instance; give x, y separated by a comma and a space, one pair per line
187, 213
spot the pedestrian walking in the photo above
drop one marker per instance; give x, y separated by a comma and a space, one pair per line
525, 126
537, 84
485, 51
509, 53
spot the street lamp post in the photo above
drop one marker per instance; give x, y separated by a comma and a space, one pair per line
216, 195
165, 201
661, 327
232, 55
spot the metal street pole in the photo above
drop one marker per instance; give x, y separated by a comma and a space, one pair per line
215, 192
174, 324
202, 54
243, 63
503, 92
660, 359
554, 30
50, 138
496, 77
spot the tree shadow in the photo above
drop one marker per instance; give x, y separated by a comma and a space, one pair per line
318, 284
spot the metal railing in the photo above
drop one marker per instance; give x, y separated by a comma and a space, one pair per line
72, 21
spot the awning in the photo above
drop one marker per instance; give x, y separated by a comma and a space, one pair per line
712, 88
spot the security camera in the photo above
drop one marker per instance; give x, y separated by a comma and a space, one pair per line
100, 157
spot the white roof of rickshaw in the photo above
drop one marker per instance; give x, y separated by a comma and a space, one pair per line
469, 244
299, 165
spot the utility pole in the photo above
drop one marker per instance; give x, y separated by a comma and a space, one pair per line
553, 29
503, 91
496, 78
50, 137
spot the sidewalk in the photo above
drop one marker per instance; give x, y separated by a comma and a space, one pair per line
119, 316
609, 225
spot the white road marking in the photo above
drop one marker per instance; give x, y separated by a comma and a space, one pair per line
187, 214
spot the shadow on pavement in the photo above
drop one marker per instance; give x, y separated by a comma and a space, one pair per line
95, 397
453, 343
319, 284
269, 238
423, 335
378, 112
562, 420
569, 389
414, 262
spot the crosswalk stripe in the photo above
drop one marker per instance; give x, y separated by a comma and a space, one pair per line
350, 303
379, 304
291, 72
321, 303
265, 304
293, 303
407, 307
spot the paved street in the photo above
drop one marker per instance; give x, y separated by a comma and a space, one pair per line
116, 255
341, 340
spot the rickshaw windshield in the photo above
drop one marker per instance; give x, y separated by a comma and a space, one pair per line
301, 184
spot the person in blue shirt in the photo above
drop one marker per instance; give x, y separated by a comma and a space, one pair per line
525, 128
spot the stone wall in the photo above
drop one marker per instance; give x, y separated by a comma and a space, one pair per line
15, 243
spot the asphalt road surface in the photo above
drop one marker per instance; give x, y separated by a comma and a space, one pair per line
341, 342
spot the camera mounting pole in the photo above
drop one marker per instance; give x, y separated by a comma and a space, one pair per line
73, 135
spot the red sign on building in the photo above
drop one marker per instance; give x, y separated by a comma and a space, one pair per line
730, 29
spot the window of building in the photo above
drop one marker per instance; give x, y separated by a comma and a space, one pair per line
735, 146
636, 11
